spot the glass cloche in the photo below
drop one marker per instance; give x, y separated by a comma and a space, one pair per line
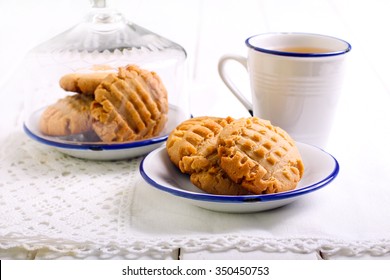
105, 89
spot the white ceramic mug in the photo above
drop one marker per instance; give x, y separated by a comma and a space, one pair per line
295, 80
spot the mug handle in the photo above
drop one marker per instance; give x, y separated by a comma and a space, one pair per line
228, 81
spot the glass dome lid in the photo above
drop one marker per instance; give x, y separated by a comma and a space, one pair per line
105, 35
118, 81
105, 29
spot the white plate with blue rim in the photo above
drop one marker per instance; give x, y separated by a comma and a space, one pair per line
158, 171
88, 146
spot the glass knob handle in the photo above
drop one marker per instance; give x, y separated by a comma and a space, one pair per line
98, 3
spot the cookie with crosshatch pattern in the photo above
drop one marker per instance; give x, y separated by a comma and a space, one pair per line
192, 147
260, 157
129, 105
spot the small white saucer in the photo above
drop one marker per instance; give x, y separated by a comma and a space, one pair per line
157, 169
81, 146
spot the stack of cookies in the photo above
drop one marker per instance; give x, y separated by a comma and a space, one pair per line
227, 156
127, 105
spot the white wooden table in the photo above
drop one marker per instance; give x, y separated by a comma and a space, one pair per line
208, 29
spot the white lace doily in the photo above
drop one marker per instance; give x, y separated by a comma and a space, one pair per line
52, 201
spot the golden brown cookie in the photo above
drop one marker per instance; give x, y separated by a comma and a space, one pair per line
214, 179
191, 138
129, 105
192, 147
259, 156
69, 115
84, 83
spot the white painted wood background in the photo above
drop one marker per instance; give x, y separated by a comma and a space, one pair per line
208, 29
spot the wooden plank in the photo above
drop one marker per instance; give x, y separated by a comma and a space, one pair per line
360, 257
234, 254
17, 254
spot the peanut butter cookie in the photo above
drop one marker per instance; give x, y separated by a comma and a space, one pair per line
129, 105
260, 157
84, 83
69, 115
192, 147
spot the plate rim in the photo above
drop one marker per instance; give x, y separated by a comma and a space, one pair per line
96, 146
249, 199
